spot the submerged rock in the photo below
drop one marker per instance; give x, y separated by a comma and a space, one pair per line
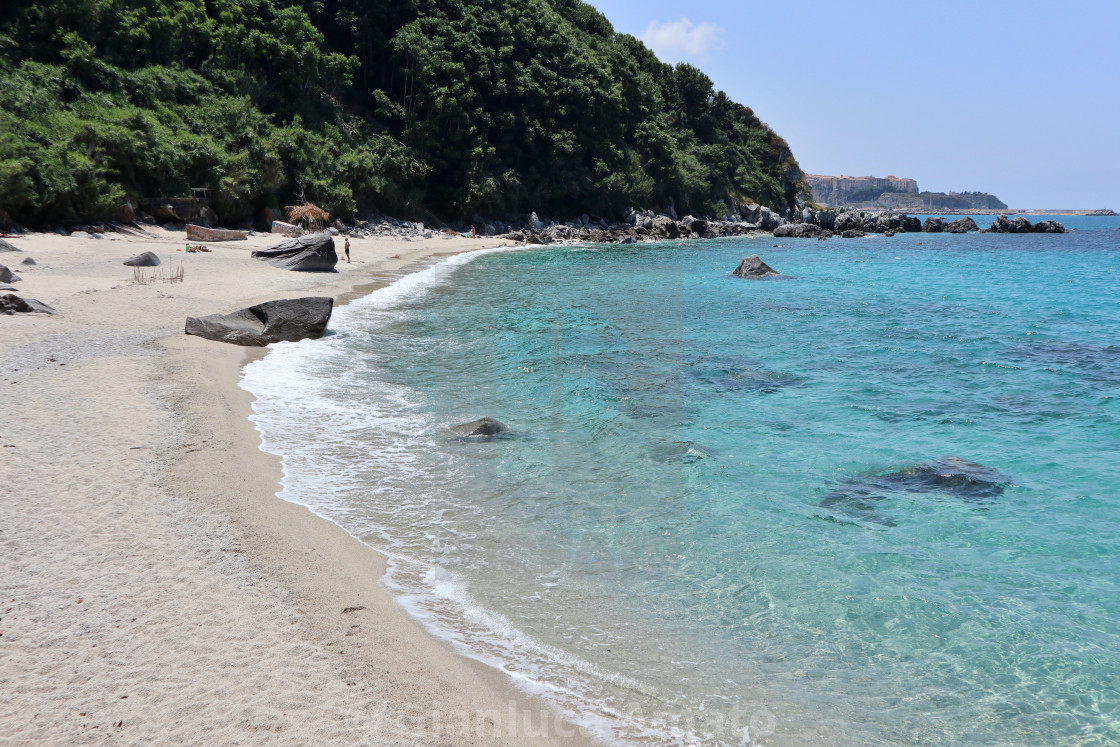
311, 253
482, 427
952, 476
266, 323
753, 267
147, 259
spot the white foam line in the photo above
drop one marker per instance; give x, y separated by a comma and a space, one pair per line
442, 597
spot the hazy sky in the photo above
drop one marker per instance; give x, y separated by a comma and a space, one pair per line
1020, 99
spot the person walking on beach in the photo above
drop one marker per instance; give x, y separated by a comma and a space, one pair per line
347, 249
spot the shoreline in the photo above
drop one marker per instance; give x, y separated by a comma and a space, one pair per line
282, 578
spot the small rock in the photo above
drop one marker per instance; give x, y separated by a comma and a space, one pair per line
753, 267
6, 247
28, 261
482, 427
147, 259
7, 276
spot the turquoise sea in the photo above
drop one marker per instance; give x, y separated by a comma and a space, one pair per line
875, 500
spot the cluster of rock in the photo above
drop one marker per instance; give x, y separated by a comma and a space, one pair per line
377, 226
637, 225
1022, 225
646, 225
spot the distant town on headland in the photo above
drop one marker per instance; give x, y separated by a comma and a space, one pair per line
894, 192
898, 193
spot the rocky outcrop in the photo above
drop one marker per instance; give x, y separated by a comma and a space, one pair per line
1019, 224
796, 231
934, 225
266, 323
852, 234
147, 259
964, 225
7, 276
754, 267
311, 253
1016, 225
13, 304
1049, 226
483, 427
202, 233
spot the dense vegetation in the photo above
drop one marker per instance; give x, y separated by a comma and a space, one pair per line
411, 107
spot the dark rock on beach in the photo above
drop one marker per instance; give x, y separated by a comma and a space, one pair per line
7, 276
6, 247
754, 267
13, 304
28, 261
266, 323
482, 427
147, 259
311, 253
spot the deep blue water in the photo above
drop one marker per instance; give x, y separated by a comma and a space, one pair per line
873, 500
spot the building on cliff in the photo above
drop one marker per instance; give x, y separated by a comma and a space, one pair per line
836, 191
894, 193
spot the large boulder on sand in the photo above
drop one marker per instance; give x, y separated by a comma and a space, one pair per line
266, 323
147, 259
6, 247
13, 304
311, 253
482, 427
7, 276
753, 267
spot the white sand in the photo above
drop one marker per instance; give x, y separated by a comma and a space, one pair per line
152, 587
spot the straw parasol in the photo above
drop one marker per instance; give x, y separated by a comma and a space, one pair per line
311, 216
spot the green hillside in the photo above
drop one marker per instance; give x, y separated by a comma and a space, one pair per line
410, 107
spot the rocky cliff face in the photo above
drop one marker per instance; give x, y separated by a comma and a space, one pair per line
894, 193
835, 191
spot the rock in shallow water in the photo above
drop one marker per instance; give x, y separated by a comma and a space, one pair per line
952, 476
482, 427
754, 267
266, 323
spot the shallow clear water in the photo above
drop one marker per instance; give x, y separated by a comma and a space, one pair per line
722, 503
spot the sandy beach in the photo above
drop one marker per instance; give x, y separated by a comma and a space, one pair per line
153, 588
